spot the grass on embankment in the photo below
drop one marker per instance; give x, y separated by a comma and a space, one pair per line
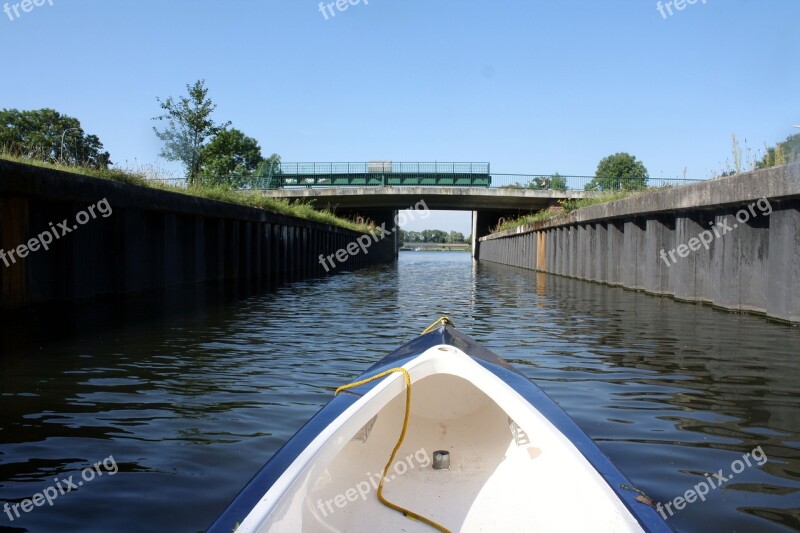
567, 206
223, 194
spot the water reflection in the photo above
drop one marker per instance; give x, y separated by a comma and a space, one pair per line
193, 393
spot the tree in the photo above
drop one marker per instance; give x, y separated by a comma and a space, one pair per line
189, 126
555, 182
620, 171
538, 183
783, 153
268, 173
38, 134
558, 182
412, 236
231, 157
434, 235
273, 161
455, 237
406, 237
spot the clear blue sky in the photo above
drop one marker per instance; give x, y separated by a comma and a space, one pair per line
530, 86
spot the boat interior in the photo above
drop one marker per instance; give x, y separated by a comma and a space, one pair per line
509, 468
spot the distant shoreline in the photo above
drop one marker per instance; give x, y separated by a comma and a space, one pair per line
437, 248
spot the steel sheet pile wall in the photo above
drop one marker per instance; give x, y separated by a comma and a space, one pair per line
654, 242
152, 239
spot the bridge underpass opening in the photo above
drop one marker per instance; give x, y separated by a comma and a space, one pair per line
482, 209
432, 226
436, 229
452, 226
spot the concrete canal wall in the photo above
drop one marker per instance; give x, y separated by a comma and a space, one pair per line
111, 238
732, 243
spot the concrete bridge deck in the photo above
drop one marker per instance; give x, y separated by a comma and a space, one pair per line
446, 198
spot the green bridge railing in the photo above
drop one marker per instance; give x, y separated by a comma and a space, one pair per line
374, 174
436, 174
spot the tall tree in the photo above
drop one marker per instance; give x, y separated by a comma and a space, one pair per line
47, 135
231, 157
620, 171
189, 126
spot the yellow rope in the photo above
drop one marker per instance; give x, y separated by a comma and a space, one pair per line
443, 320
383, 500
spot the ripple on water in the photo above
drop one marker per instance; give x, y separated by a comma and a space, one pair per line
192, 403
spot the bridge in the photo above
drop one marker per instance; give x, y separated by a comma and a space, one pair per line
293, 176
377, 189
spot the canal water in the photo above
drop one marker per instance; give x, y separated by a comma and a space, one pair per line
179, 400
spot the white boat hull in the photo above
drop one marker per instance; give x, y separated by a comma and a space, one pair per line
511, 468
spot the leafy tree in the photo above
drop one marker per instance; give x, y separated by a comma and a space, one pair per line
558, 182
783, 153
434, 235
620, 171
189, 126
412, 236
555, 182
231, 157
272, 161
272, 164
455, 237
268, 173
538, 183
38, 134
